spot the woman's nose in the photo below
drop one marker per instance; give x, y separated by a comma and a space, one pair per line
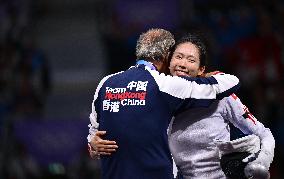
182, 63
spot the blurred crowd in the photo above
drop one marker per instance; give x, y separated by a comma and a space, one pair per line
245, 38
24, 78
24, 83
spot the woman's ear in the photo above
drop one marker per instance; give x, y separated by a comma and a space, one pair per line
201, 70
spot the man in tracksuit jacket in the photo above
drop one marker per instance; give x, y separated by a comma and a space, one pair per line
135, 107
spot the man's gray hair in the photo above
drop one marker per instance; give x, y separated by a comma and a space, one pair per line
155, 44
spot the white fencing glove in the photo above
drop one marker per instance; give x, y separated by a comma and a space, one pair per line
236, 154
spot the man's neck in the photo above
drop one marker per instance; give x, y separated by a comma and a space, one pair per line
158, 65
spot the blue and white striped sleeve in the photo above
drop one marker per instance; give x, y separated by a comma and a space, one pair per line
216, 86
94, 125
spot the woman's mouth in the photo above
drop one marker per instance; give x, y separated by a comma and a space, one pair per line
181, 73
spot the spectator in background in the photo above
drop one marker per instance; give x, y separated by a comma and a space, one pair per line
32, 79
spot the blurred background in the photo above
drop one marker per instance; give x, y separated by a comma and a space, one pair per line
53, 54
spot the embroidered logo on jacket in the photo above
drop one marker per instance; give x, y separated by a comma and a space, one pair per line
133, 95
